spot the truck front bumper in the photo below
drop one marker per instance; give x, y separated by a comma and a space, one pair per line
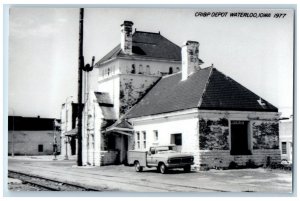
181, 165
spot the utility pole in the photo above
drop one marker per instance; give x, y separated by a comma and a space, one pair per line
80, 67
13, 135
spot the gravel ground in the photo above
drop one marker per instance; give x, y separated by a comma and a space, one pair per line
18, 185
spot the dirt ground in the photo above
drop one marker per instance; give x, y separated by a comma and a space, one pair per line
125, 179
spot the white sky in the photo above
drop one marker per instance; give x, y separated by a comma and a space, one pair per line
43, 50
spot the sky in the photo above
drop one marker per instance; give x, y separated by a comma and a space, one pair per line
43, 50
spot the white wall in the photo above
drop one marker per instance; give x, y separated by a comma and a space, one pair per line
286, 135
27, 142
156, 67
186, 124
91, 141
66, 125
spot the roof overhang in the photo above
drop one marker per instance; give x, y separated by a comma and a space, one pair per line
72, 132
137, 57
120, 127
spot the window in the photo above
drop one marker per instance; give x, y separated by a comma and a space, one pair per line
144, 137
171, 70
133, 69
155, 134
67, 114
138, 140
41, 148
141, 69
108, 71
148, 69
113, 70
176, 139
283, 147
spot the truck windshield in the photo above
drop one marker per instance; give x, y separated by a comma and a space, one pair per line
164, 149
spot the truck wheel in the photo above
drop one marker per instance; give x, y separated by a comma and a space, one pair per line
138, 167
162, 168
187, 168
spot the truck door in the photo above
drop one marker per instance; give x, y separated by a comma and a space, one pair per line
150, 158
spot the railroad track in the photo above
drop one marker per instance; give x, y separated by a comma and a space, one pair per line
143, 183
46, 184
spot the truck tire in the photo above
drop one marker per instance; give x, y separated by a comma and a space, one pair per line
162, 168
187, 168
138, 167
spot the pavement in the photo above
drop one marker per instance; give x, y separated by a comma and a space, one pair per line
122, 178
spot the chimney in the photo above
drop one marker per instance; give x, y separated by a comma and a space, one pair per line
190, 61
126, 37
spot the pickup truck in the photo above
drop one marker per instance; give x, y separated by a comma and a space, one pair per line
162, 157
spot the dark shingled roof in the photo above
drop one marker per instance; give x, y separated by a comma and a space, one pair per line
147, 44
206, 89
19, 123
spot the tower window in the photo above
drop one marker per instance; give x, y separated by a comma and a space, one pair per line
133, 69
141, 69
148, 69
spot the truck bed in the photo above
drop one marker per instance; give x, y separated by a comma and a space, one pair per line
134, 155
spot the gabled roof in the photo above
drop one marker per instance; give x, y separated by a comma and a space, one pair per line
149, 45
205, 89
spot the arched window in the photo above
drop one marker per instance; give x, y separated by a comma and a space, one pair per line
171, 70
141, 69
133, 69
148, 69
108, 71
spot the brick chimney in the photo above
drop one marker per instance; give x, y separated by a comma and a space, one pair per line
190, 61
126, 37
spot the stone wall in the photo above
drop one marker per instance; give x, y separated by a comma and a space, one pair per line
109, 157
265, 135
214, 144
213, 134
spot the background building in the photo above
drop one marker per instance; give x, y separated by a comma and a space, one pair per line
33, 135
69, 114
286, 138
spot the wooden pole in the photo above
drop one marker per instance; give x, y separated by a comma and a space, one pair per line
80, 67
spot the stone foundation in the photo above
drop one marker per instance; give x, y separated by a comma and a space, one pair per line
109, 157
222, 158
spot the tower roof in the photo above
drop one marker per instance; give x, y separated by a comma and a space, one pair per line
146, 45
